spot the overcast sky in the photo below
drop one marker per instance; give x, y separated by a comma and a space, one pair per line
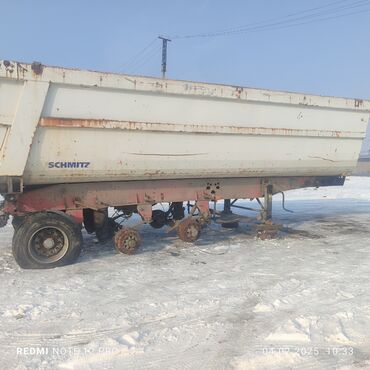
329, 57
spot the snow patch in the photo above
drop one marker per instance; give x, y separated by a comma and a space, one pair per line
293, 331
267, 361
260, 307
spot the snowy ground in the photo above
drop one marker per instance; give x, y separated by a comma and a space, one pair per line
230, 301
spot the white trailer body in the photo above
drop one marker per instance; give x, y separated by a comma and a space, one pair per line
65, 125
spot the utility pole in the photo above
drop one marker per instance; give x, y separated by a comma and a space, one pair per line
164, 55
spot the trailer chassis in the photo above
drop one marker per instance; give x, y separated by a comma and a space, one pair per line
69, 205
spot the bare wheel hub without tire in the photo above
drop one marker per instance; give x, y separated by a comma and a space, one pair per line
189, 230
48, 243
127, 241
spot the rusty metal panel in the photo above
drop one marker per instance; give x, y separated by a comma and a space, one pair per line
104, 194
194, 128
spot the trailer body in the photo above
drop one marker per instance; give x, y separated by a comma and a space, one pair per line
62, 125
74, 143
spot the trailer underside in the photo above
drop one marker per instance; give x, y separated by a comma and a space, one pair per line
68, 197
48, 219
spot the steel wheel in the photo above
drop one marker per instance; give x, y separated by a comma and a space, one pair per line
48, 244
127, 241
189, 230
17, 221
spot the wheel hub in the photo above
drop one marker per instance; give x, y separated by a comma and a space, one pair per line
192, 231
48, 243
130, 242
189, 230
127, 241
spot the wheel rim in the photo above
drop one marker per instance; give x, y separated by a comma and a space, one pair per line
126, 241
48, 244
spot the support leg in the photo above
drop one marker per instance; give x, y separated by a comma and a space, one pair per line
227, 213
227, 206
267, 230
267, 207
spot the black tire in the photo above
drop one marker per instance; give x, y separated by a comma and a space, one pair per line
159, 219
178, 211
88, 215
106, 231
17, 221
59, 230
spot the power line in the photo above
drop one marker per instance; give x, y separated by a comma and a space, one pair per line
138, 56
295, 23
333, 10
302, 23
312, 17
230, 29
316, 14
275, 21
144, 61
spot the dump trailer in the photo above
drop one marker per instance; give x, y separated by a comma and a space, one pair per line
74, 143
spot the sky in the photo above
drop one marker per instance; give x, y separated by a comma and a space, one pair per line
330, 57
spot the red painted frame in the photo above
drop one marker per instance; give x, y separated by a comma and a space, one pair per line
74, 197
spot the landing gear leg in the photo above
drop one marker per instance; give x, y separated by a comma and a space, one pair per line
227, 206
267, 230
226, 212
267, 208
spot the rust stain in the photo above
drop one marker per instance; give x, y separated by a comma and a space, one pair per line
169, 154
192, 128
21, 71
238, 92
9, 68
